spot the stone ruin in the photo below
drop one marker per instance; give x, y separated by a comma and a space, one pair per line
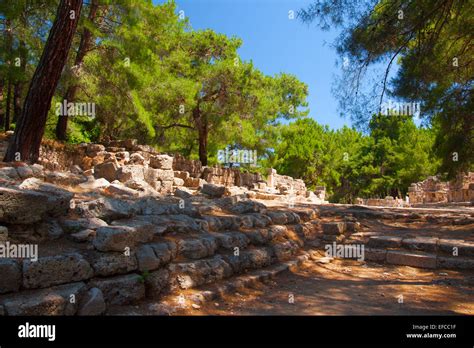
117, 223
433, 190
142, 168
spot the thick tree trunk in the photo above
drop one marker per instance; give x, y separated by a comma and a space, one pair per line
30, 128
70, 95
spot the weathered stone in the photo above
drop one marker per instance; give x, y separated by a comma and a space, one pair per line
136, 158
150, 176
92, 303
10, 276
161, 162
3, 234
121, 290
105, 208
246, 206
456, 247
413, 259
231, 240
24, 172
421, 243
51, 301
147, 260
66, 179
83, 236
384, 242
93, 149
178, 182
120, 191
107, 264
166, 187
143, 228
165, 252
165, 174
26, 207
333, 238
197, 248
190, 274
9, 172
285, 250
378, 255
54, 270
80, 224
334, 228
455, 262
258, 258
156, 282
50, 229
181, 175
106, 170
213, 191
194, 182
352, 226
37, 170
278, 218
92, 184
114, 238
183, 193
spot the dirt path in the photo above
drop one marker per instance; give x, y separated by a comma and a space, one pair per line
351, 288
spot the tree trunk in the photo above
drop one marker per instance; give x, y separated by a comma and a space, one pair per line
8, 49
8, 107
17, 100
18, 87
201, 124
30, 129
203, 134
2, 113
70, 95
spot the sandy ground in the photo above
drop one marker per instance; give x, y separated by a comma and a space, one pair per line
346, 287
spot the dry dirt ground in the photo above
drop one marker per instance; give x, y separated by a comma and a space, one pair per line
346, 287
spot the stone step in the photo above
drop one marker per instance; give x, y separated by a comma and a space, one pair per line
418, 259
441, 246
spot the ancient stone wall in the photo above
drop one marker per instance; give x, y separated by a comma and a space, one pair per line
285, 183
433, 190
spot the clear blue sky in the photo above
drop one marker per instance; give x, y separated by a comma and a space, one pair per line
276, 44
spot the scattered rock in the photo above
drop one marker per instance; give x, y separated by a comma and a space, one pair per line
213, 191
83, 236
161, 162
106, 170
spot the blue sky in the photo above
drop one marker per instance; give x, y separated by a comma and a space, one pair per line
276, 44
